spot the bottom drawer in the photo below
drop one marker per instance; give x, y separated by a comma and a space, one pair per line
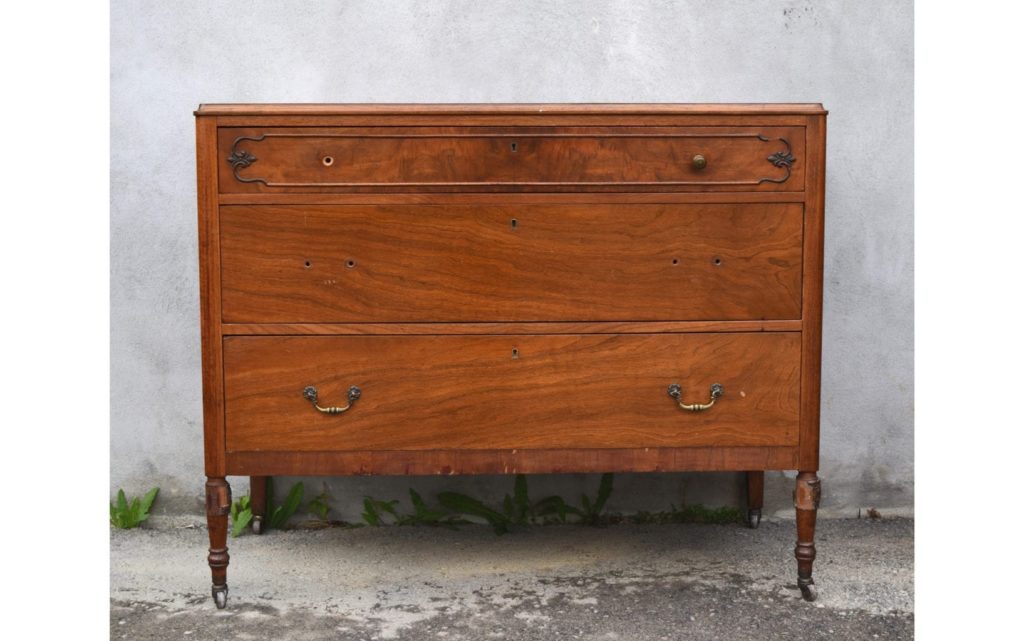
510, 391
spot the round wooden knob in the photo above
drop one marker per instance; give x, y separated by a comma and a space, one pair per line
699, 162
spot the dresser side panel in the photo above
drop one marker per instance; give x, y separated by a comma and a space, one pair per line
814, 230
209, 295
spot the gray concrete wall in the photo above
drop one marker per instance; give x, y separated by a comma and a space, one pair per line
855, 57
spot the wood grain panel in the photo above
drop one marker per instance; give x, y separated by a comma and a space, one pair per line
627, 111
457, 263
451, 462
502, 198
814, 266
262, 159
503, 392
209, 296
514, 120
390, 329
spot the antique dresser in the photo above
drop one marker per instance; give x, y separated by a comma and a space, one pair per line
481, 289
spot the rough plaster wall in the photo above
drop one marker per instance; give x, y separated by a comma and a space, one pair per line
855, 57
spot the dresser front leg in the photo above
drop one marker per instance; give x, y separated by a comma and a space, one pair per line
218, 506
258, 502
755, 498
806, 499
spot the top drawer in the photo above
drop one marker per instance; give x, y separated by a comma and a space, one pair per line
511, 159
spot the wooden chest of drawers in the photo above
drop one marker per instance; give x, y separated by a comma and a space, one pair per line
473, 289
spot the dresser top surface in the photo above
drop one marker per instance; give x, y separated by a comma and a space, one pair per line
314, 109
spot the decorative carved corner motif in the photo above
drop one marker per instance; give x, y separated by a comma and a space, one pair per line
783, 159
240, 159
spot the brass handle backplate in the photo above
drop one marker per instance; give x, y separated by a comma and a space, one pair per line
699, 162
676, 392
310, 394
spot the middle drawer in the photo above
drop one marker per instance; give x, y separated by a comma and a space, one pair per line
460, 263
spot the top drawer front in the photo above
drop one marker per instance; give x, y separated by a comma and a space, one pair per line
444, 159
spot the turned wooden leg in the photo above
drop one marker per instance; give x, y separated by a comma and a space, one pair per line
806, 499
218, 506
755, 498
258, 501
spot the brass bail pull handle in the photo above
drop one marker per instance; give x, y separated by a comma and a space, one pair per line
354, 393
676, 392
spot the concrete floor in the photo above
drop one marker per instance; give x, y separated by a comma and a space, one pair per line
631, 582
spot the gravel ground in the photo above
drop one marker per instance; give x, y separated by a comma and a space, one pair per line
631, 582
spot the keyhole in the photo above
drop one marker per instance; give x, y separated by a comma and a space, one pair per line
515, 147
515, 353
515, 223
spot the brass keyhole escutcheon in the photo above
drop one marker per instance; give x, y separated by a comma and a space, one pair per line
699, 162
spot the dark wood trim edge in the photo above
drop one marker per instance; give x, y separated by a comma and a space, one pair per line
452, 462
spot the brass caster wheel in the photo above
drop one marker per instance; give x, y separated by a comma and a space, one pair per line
808, 591
257, 525
753, 519
220, 596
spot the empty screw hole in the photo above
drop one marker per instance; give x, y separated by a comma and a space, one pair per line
350, 263
308, 264
328, 161
717, 261
675, 261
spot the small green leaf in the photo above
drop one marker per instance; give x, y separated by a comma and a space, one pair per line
417, 501
604, 490
294, 499
135, 513
241, 522
115, 516
125, 514
388, 507
551, 506
147, 502
319, 506
425, 516
522, 500
279, 517
463, 504
370, 514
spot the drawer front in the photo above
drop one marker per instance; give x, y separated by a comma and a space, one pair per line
460, 263
511, 392
511, 159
